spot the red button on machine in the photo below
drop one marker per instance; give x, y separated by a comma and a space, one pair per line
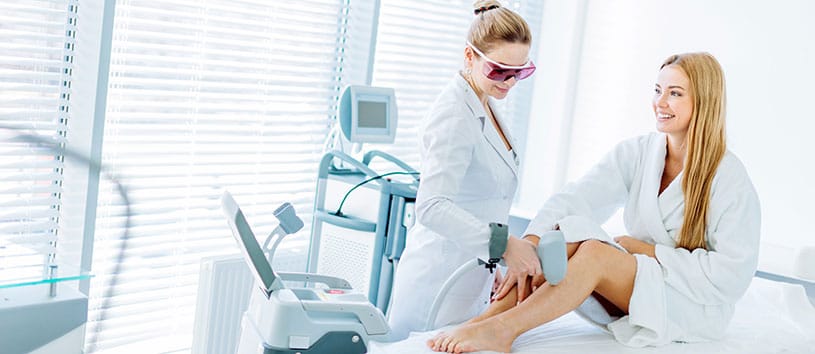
335, 291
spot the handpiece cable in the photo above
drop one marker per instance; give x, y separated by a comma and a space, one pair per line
339, 209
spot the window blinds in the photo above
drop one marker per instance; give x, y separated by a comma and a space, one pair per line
204, 95
36, 55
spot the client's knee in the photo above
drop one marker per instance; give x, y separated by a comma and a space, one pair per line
591, 247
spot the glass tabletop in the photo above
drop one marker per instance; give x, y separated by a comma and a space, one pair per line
13, 282
21, 266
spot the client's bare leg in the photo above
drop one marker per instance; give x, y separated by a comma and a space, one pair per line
509, 301
498, 306
595, 266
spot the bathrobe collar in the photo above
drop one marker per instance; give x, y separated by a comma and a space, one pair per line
653, 205
490, 133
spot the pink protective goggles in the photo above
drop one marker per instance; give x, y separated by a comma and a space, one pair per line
499, 72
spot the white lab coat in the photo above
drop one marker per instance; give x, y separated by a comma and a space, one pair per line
681, 295
468, 180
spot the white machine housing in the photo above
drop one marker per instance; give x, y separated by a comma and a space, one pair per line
310, 318
282, 319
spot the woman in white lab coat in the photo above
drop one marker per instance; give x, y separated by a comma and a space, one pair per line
693, 218
469, 175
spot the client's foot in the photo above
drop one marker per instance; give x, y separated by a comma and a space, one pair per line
490, 334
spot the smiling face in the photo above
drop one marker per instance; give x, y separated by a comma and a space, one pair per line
672, 103
506, 53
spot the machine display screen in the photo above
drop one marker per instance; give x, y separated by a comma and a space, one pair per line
253, 254
372, 114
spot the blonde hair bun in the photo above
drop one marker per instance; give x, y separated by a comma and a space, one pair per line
494, 24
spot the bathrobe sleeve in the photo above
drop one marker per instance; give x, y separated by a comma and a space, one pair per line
590, 201
722, 273
448, 141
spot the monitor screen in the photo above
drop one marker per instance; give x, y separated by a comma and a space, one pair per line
372, 114
253, 254
367, 114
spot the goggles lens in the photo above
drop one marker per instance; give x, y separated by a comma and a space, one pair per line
499, 72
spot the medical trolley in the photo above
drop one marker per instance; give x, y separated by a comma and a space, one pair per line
360, 221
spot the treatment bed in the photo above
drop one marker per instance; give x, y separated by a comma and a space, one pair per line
774, 316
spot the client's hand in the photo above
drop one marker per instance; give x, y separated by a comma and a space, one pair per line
522, 261
635, 246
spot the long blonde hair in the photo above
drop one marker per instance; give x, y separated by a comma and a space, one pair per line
494, 23
705, 141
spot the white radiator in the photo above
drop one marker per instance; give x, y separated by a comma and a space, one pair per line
224, 286
223, 295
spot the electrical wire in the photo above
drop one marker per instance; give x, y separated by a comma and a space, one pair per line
339, 209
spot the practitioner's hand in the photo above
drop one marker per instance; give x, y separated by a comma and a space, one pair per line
522, 261
635, 246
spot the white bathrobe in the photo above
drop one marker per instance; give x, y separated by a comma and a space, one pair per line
468, 180
680, 295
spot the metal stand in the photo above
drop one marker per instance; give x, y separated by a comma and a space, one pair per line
364, 242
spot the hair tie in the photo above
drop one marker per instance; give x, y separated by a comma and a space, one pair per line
485, 9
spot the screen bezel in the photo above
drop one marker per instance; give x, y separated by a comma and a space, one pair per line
356, 94
250, 248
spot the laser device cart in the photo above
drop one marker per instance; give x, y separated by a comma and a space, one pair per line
364, 241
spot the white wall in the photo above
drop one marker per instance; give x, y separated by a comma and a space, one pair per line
606, 56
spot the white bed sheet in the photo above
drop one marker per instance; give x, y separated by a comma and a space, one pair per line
771, 318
